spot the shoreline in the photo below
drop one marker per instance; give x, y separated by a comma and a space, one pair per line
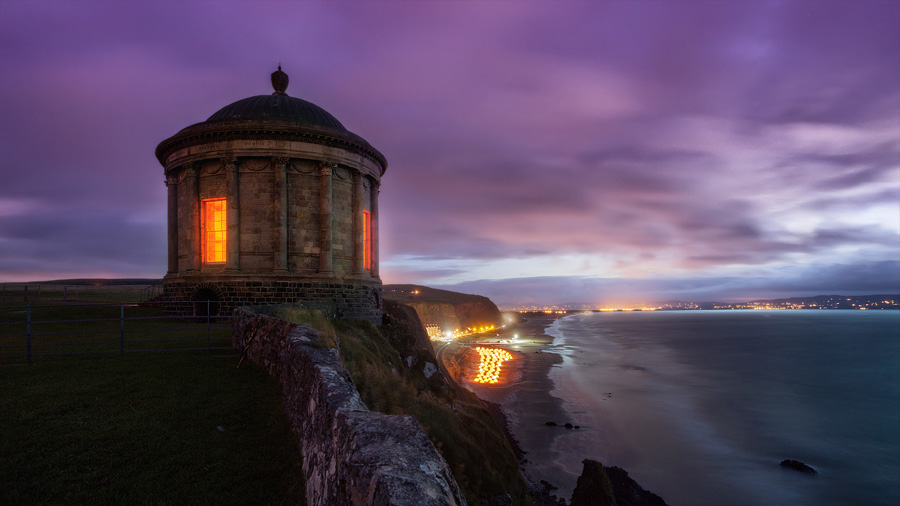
523, 403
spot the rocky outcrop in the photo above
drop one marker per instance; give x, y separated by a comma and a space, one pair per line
796, 465
599, 485
351, 456
407, 335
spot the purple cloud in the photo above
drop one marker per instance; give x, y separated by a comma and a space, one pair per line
633, 141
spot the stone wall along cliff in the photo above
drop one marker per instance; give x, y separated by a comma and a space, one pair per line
351, 456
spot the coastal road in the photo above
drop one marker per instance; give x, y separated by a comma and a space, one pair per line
439, 356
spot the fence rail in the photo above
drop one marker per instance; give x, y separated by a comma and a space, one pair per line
35, 293
43, 330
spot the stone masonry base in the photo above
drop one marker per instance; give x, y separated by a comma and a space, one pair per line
356, 299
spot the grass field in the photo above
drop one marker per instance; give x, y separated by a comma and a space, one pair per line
77, 291
152, 428
98, 321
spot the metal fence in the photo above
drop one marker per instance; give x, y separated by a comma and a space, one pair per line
43, 330
38, 293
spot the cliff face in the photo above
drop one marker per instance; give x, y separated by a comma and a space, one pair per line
448, 310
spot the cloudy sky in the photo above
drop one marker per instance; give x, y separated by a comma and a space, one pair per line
538, 151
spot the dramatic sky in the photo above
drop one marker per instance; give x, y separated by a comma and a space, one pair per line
614, 151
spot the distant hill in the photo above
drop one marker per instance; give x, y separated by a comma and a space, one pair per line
93, 282
448, 310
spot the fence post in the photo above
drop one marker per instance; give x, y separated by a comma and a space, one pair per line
122, 330
28, 332
26, 293
208, 319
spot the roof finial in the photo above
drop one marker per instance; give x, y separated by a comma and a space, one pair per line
279, 81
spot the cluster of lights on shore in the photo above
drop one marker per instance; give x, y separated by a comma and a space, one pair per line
491, 364
602, 310
453, 334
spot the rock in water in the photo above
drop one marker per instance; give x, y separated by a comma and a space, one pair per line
599, 485
798, 466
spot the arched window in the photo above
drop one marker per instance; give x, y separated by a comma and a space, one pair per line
213, 227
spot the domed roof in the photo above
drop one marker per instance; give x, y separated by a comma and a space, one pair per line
278, 107
276, 116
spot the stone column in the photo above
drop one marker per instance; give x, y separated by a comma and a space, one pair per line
358, 243
232, 216
172, 191
279, 167
192, 177
325, 240
373, 210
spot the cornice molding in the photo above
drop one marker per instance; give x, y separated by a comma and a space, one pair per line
204, 134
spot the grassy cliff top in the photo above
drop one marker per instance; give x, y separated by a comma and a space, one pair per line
417, 293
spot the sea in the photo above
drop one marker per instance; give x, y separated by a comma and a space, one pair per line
700, 407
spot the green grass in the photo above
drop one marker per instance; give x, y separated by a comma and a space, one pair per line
145, 429
311, 318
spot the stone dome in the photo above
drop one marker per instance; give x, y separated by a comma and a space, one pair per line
277, 107
271, 116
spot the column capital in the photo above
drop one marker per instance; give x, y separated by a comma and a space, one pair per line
229, 162
327, 168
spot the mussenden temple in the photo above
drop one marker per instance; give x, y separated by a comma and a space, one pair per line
271, 200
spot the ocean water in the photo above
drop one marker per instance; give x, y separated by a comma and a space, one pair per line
700, 407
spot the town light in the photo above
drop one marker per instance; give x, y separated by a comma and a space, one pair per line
491, 364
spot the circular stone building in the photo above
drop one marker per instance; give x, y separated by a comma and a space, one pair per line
272, 200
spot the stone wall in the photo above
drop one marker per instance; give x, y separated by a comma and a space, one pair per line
351, 456
345, 300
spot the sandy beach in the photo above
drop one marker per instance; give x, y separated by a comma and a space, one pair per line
523, 393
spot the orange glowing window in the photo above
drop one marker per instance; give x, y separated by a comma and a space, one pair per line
213, 227
367, 240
